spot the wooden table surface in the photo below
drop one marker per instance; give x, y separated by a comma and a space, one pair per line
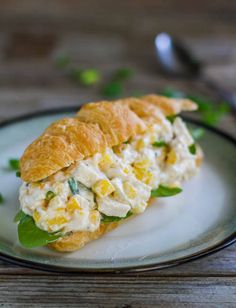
108, 35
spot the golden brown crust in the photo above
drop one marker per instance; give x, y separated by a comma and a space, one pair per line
96, 126
77, 240
170, 106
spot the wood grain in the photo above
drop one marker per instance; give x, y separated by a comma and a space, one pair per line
109, 35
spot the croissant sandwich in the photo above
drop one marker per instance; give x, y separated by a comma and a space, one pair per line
86, 174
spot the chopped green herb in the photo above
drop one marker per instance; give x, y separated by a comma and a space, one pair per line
171, 92
50, 195
31, 236
197, 133
1, 198
18, 174
112, 90
14, 164
73, 186
171, 118
123, 74
89, 77
62, 61
164, 191
107, 219
127, 141
159, 144
192, 149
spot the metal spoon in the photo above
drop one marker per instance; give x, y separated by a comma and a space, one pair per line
175, 59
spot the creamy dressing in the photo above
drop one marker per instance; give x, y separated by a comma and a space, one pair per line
114, 183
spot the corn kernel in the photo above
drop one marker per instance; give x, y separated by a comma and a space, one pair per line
105, 162
103, 188
58, 220
144, 163
143, 175
36, 216
72, 205
126, 170
140, 145
93, 216
153, 138
129, 190
171, 157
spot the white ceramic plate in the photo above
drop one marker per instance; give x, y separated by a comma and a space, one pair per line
173, 230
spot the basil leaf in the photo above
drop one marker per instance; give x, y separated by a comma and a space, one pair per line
14, 164
31, 236
123, 74
73, 186
50, 195
171, 92
62, 61
164, 191
107, 219
159, 144
1, 198
171, 118
197, 133
89, 77
192, 149
20, 215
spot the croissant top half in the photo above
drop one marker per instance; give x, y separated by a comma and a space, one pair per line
95, 127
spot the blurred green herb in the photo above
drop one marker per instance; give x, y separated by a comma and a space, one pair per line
122, 74
1, 198
171, 118
50, 195
112, 90
159, 144
210, 112
63, 61
108, 219
192, 149
14, 164
18, 174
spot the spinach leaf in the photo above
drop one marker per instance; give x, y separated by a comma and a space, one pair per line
107, 219
73, 186
20, 215
159, 144
31, 236
164, 191
192, 149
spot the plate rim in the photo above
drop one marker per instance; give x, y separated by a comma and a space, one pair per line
138, 268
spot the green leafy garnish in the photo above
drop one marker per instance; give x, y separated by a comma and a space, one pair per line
123, 74
164, 191
14, 164
197, 133
1, 198
62, 61
192, 149
112, 89
159, 144
89, 77
171, 118
18, 174
73, 186
20, 215
50, 195
31, 236
107, 219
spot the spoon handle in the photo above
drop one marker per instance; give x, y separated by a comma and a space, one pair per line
224, 94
